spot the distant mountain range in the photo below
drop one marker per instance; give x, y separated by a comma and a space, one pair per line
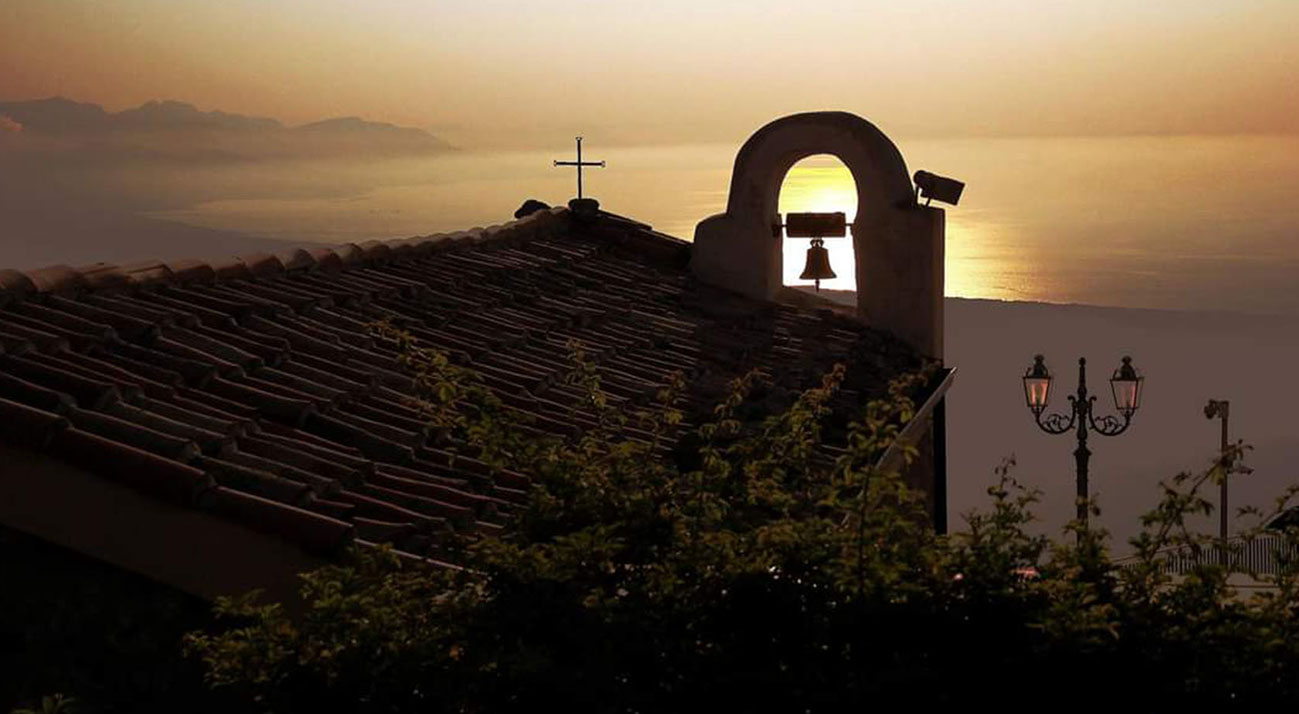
179, 130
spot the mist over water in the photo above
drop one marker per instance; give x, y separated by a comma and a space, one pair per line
1204, 223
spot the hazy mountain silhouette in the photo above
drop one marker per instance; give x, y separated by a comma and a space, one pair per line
162, 129
56, 115
179, 115
353, 124
77, 183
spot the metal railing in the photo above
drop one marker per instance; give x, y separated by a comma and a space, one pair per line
1260, 554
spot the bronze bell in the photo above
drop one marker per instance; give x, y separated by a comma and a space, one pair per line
818, 264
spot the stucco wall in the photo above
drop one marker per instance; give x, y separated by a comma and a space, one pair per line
899, 245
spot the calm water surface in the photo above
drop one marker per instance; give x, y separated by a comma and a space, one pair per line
1165, 222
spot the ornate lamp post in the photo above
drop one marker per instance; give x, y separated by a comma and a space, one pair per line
1125, 384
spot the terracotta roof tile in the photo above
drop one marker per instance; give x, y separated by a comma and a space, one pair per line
298, 339
73, 337
340, 376
371, 438
375, 508
387, 276
43, 315
256, 379
314, 532
322, 486
296, 259
26, 426
57, 279
88, 392
298, 385
256, 481
160, 366
273, 350
305, 420
103, 276
308, 456
147, 273
433, 473
376, 531
131, 328
189, 271
212, 405
354, 463
176, 410
348, 253
406, 420
186, 308
458, 515
416, 482
284, 409
224, 304
333, 286
333, 509
15, 285
210, 442
210, 346
262, 264
317, 326
20, 335
124, 378
154, 314
325, 259
283, 296
34, 395
383, 368
157, 475
176, 448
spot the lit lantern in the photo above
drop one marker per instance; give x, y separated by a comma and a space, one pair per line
1037, 385
1126, 385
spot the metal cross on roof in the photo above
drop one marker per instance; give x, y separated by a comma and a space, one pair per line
579, 164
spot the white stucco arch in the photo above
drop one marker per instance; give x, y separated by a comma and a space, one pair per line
898, 244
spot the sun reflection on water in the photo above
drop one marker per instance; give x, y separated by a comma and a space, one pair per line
819, 184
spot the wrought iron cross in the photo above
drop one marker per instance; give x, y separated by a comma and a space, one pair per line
579, 164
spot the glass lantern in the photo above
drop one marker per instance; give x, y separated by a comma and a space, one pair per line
1037, 385
1126, 386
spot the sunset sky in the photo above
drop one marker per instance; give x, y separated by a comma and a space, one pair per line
491, 72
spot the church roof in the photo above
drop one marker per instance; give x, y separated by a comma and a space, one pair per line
252, 389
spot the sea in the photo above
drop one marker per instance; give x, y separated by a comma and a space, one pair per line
1169, 222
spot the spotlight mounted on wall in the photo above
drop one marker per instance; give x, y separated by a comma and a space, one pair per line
932, 186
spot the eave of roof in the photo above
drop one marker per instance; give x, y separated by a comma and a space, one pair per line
250, 389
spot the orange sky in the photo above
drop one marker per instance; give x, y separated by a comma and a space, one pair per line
491, 72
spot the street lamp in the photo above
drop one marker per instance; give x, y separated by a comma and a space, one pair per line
1221, 408
1125, 385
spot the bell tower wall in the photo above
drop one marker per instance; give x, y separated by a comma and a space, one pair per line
898, 244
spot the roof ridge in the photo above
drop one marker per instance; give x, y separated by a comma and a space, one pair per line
16, 285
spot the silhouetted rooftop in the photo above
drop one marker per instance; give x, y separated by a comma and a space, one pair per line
252, 388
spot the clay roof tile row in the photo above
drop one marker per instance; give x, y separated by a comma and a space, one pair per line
252, 389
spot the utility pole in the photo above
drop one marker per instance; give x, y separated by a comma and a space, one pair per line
1222, 410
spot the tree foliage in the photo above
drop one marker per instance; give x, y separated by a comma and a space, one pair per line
772, 572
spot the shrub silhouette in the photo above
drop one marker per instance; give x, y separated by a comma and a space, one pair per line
773, 574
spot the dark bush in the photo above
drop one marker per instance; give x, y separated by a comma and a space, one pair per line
774, 576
